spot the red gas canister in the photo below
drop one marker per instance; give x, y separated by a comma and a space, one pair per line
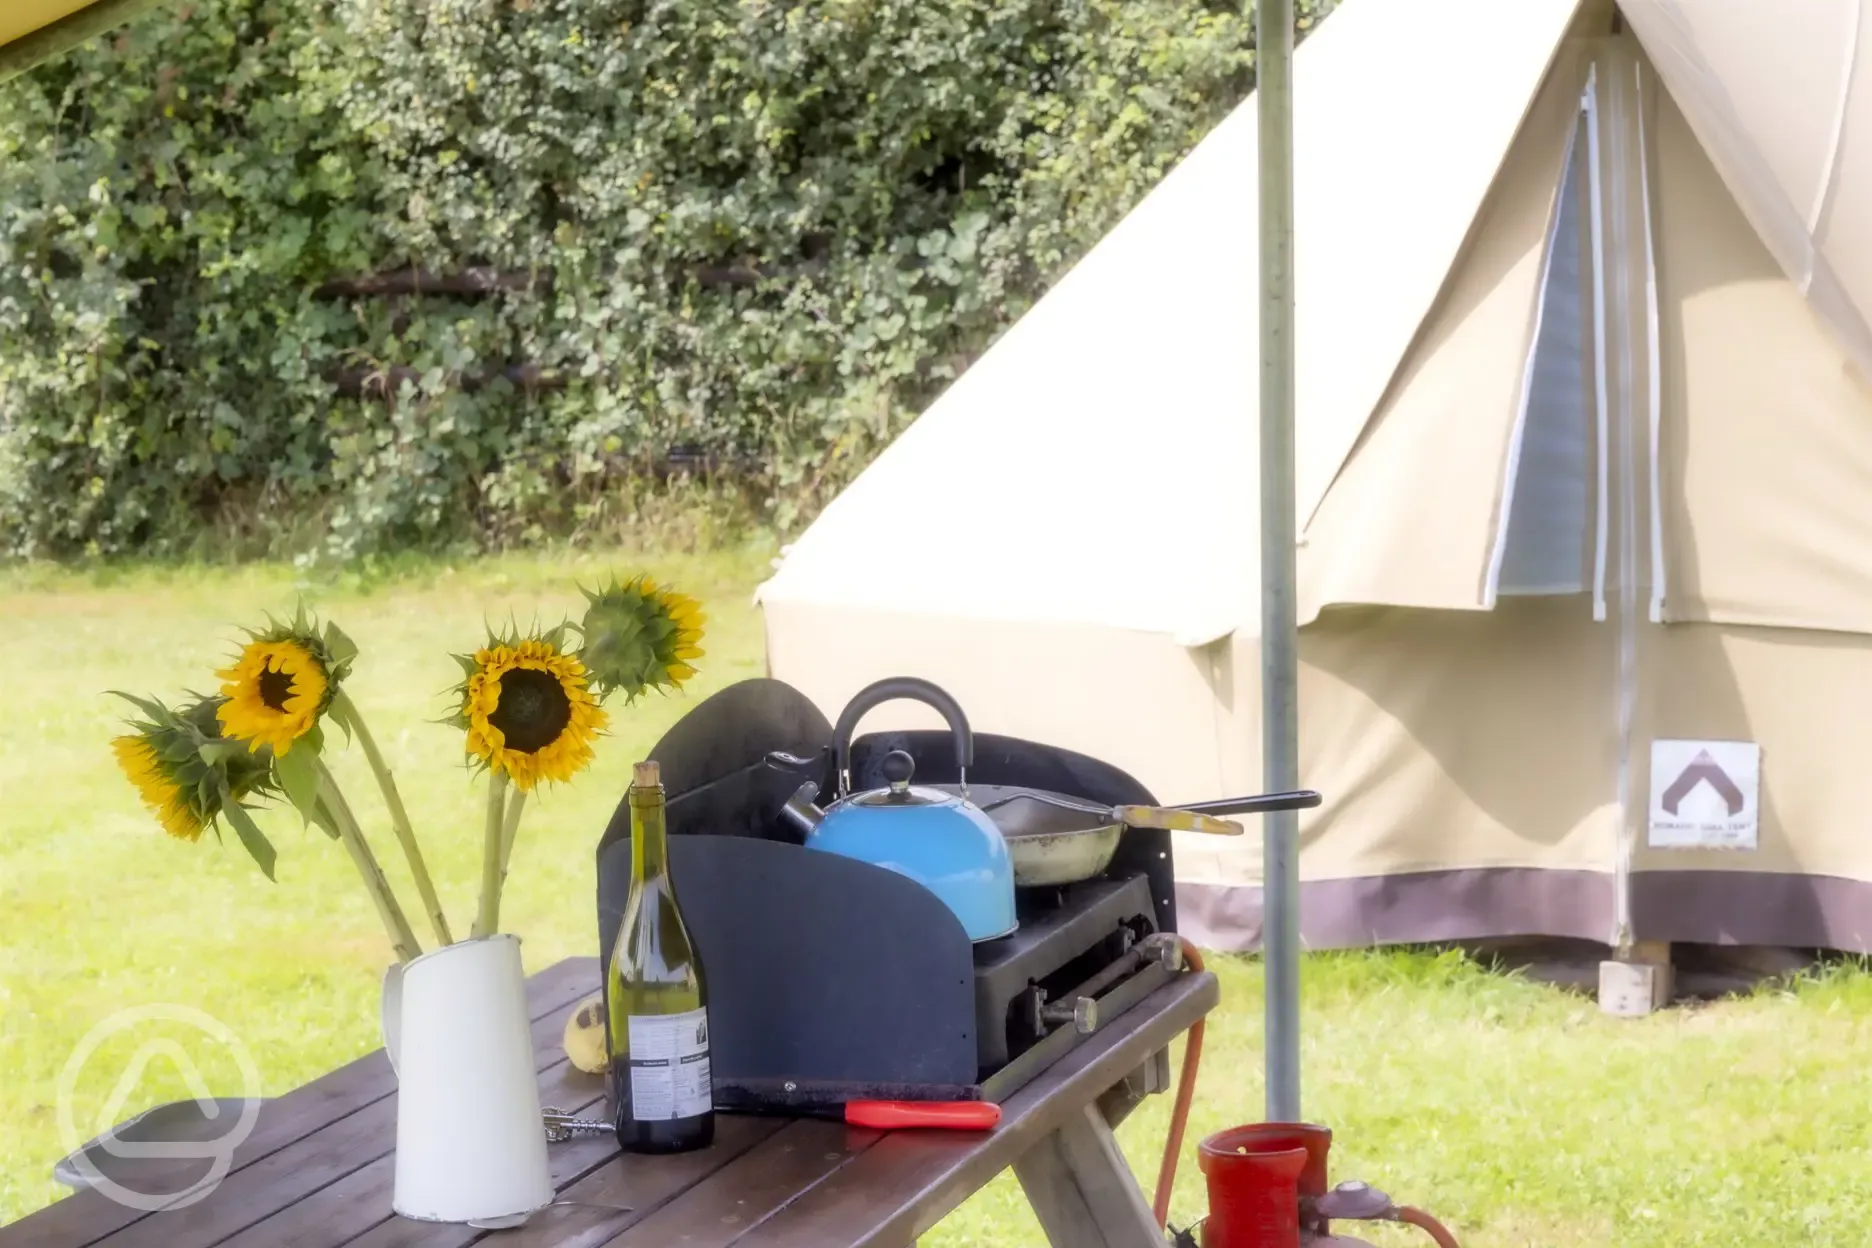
1276, 1136
1267, 1189
1254, 1177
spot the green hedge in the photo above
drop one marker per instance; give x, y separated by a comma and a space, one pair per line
769, 232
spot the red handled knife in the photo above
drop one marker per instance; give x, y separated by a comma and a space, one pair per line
900, 1115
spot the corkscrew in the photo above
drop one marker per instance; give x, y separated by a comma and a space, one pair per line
561, 1125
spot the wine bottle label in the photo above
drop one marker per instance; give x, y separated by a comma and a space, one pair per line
669, 1066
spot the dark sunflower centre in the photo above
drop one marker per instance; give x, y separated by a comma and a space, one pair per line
275, 688
533, 710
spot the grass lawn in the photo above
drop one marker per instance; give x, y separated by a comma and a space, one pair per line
1512, 1110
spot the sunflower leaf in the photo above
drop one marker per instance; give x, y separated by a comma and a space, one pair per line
214, 753
298, 776
340, 714
252, 839
148, 706
322, 818
342, 648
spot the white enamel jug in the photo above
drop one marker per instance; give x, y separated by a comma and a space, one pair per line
470, 1141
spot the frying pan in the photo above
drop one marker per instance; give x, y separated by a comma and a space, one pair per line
1055, 839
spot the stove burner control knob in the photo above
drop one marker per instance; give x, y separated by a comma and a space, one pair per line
1165, 951
1082, 1014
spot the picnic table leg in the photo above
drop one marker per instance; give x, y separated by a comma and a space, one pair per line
1147, 1080
1083, 1191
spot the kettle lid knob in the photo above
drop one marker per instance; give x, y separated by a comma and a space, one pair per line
897, 768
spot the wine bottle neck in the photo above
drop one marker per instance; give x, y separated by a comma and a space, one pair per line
649, 837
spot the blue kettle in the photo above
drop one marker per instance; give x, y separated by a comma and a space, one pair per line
941, 840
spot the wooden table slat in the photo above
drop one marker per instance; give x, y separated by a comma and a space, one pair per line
323, 1157
900, 1189
715, 1212
286, 1124
617, 1194
303, 1168
340, 1212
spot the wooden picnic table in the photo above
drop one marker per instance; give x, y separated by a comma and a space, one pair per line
316, 1170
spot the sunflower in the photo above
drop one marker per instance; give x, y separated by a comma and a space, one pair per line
637, 636
161, 791
527, 710
281, 683
188, 774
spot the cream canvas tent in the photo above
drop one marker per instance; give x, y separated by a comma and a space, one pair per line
1584, 486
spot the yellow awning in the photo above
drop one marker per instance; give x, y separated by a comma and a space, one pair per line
33, 31
23, 17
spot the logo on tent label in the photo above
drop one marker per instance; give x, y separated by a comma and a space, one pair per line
1705, 795
1703, 770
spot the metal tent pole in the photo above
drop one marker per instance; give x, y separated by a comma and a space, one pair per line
1280, 721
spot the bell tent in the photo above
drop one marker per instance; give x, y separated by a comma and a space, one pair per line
1584, 487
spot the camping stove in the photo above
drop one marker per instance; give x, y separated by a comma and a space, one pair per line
1083, 955
833, 980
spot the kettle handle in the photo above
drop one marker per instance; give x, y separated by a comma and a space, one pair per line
890, 689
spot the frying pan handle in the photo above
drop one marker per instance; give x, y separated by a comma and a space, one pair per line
891, 689
1261, 804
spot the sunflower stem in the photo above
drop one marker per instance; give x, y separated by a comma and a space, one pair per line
402, 937
510, 827
488, 916
347, 713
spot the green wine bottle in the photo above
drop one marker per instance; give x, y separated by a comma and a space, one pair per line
656, 997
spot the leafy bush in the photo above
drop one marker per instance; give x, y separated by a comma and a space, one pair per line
767, 232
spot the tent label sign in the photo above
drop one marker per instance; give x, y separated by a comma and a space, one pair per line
1705, 794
